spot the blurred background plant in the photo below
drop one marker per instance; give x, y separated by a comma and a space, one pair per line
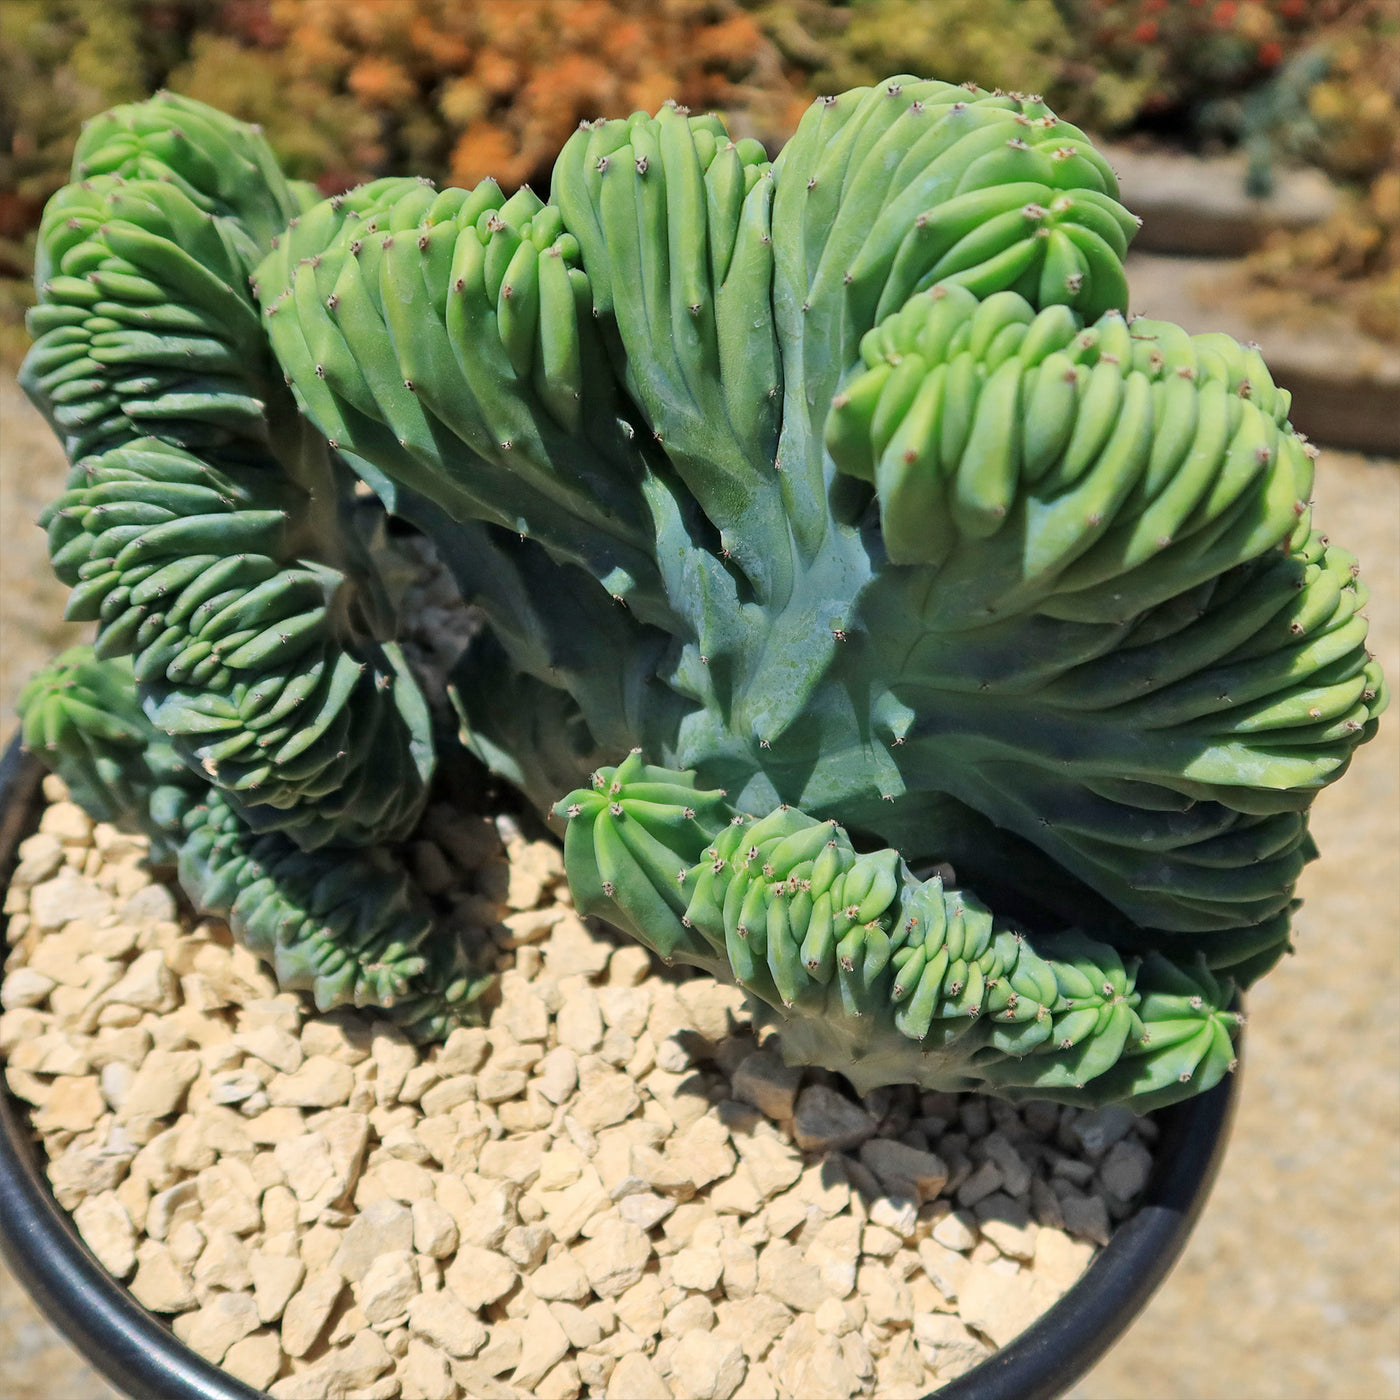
1287, 80
1351, 262
459, 89
350, 89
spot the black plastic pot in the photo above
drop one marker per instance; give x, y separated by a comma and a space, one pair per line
141, 1357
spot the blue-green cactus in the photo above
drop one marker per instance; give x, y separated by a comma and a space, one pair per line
206, 530
345, 924
205, 527
867, 969
841, 481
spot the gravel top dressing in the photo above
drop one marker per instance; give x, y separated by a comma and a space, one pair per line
610, 1189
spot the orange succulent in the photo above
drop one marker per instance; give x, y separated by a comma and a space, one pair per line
624, 42
733, 42
381, 82
496, 72
441, 47
484, 150
463, 101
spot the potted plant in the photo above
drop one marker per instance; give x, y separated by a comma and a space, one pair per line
901, 633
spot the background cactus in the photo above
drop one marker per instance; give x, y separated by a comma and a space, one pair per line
838, 483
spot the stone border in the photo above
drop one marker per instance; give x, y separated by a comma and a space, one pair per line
1345, 386
1197, 205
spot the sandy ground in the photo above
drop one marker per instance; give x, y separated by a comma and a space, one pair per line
1290, 1287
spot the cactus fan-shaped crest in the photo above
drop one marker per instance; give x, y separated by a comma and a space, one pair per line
840, 486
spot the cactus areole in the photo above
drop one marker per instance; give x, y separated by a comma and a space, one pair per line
916, 640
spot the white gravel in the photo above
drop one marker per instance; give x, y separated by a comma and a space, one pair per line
609, 1189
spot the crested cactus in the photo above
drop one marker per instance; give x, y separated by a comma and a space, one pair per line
831, 519
204, 528
861, 964
345, 924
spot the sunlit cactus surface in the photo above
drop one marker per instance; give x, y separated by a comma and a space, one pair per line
898, 628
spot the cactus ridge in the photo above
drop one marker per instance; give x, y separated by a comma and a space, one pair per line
200, 529
884, 191
866, 969
257, 664
1063, 458
345, 924
81, 715
143, 326
673, 221
1209, 630
987, 506
490, 405
223, 166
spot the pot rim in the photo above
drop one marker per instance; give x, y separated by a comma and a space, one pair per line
141, 1356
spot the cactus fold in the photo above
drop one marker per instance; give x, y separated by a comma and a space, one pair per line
207, 531
345, 924
205, 528
867, 969
842, 483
